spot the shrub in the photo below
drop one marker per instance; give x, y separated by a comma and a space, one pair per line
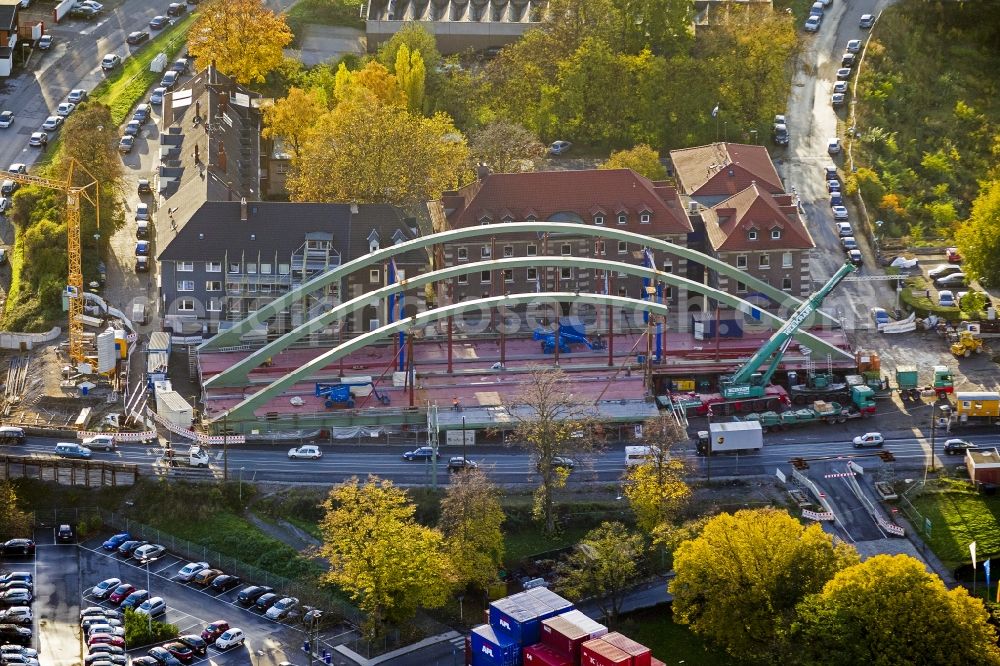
140, 631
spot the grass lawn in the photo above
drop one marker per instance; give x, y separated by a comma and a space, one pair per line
323, 12
959, 515
670, 643
530, 541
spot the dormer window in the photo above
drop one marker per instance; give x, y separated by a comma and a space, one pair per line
622, 218
775, 234
484, 220
752, 235
373, 246
506, 219
598, 219
645, 218
532, 218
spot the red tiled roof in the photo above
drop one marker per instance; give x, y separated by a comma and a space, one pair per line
731, 220
563, 195
723, 169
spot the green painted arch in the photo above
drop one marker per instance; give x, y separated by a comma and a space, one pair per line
232, 335
243, 411
238, 373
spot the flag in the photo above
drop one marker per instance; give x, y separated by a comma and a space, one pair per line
715, 111
972, 549
986, 568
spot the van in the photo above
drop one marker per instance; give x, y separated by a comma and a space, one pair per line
72, 450
139, 314
637, 455
11, 435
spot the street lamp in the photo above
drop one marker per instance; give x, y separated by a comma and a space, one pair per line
150, 614
241, 485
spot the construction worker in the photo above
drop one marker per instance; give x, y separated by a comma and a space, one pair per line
456, 405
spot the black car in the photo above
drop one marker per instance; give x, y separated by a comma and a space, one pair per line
195, 642
12, 633
175, 9
159, 22
65, 534
458, 463
137, 37
265, 601
248, 596
18, 547
163, 657
144, 187
129, 547
224, 582
144, 661
957, 446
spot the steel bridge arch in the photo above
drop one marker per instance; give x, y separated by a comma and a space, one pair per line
232, 335
238, 373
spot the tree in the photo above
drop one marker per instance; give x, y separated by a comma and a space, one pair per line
642, 159
471, 520
552, 424
656, 489
410, 75
379, 555
291, 118
14, 522
973, 302
506, 147
243, 38
603, 566
978, 238
890, 610
141, 630
590, 118
371, 80
417, 39
739, 581
370, 152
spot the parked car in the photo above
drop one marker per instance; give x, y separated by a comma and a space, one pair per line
82, 12
957, 446
65, 534
839, 87
837, 99
867, 21
225, 582
142, 113
848, 59
121, 593
144, 187
180, 65
163, 657
952, 280
196, 643
229, 639
142, 212
833, 185
135, 599
848, 243
15, 597
206, 576
110, 61
15, 634
104, 648
93, 4
16, 615
189, 570
142, 249
24, 576
102, 442
103, 659
833, 146
265, 601
132, 128
77, 95
176, 9
458, 463
52, 123
128, 547
854, 46
249, 595
149, 552
102, 627
98, 620
45, 42
830, 172
6, 119
836, 199
941, 270
153, 606
952, 255
159, 22
560, 147
855, 257
420, 453
137, 37
17, 547
813, 23
65, 108
92, 611
156, 97
169, 80
946, 299
17, 650
869, 439
181, 651
282, 608
844, 73
844, 229
144, 661
840, 213
214, 630
309, 451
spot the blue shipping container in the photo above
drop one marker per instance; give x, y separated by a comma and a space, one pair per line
520, 617
550, 599
494, 648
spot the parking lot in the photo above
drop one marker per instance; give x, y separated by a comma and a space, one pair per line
65, 573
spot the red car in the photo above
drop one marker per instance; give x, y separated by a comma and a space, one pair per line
953, 256
120, 593
107, 639
215, 630
181, 651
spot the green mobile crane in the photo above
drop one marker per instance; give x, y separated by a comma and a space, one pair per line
748, 381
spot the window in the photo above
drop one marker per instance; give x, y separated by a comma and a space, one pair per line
775, 234
786, 284
185, 285
374, 276
752, 235
741, 288
598, 219
233, 286
213, 266
486, 252
265, 269
668, 266
508, 251
214, 305
400, 275
284, 269
463, 254
508, 275
741, 261
252, 288
318, 244
265, 288
566, 273
566, 249
622, 247
532, 274
622, 218
645, 218
484, 277
185, 305
765, 261
185, 266
252, 269
786, 259
621, 291
484, 221
234, 267
213, 285
532, 251
463, 279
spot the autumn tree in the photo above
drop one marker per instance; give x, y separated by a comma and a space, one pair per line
603, 566
656, 489
243, 38
471, 520
642, 159
416, 39
978, 238
370, 152
14, 522
889, 609
291, 117
372, 80
738, 583
388, 563
552, 424
505, 147
410, 76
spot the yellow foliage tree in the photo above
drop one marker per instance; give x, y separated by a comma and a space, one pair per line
642, 159
471, 520
370, 152
243, 37
371, 80
411, 75
388, 563
14, 523
291, 117
656, 489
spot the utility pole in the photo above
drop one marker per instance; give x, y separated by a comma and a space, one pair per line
933, 430
225, 446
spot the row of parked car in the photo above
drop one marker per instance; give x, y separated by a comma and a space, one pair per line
17, 589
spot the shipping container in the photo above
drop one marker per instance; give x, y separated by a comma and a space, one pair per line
520, 615
641, 655
550, 599
542, 655
567, 632
594, 628
494, 648
468, 651
656, 662
599, 652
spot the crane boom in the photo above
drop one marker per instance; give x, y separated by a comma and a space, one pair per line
741, 384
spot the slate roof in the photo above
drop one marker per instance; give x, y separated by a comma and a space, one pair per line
723, 169
729, 222
569, 196
8, 17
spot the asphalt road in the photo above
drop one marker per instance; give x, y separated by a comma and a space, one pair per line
57, 600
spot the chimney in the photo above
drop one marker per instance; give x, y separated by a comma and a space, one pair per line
197, 155
482, 171
243, 209
197, 110
221, 162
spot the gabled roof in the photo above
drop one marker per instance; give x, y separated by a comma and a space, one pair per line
729, 222
568, 195
723, 169
8, 16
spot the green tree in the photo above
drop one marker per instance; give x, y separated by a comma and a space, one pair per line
656, 489
374, 79
14, 522
417, 40
141, 630
505, 147
973, 302
471, 521
603, 566
552, 424
514, 81
978, 239
890, 610
379, 555
739, 581
663, 26
584, 116
291, 118
642, 159
410, 75
243, 38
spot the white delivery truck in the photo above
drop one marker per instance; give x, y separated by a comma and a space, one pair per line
741, 437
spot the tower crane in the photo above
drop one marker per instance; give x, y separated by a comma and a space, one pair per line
74, 279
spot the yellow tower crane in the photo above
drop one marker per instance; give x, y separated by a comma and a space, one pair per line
74, 281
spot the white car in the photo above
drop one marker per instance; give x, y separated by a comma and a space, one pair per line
103, 442
869, 439
833, 146
96, 6
38, 139
854, 46
230, 638
309, 451
840, 87
65, 108
17, 615
153, 606
110, 61
52, 123
946, 299
559, 147
813, 23
105, 628
840, 213
77, 95
18, 167
844, 229
6, 119
867, 21
837, 99
189, 570
142, 212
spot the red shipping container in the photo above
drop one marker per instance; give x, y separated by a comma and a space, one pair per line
540, 654
656, 662
563, 636
468, 651
641, 655
599, 652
